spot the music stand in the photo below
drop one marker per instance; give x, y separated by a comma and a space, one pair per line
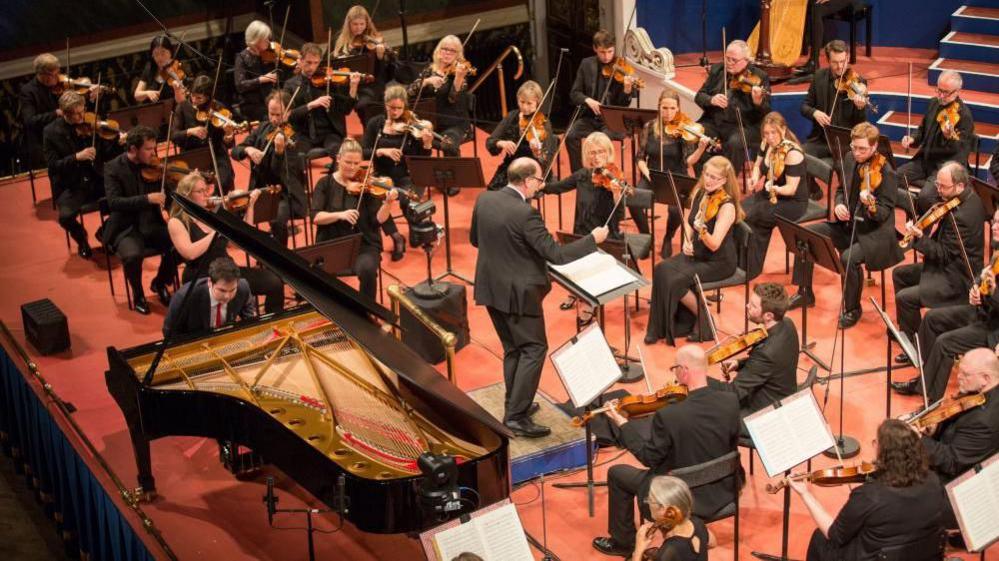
842, 135
662, 192
334, 257
907, 347
266, 207
443, 173
364, 63
153, 115
629, 121
199, 159
990, 200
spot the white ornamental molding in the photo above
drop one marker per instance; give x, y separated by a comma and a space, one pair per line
639, 49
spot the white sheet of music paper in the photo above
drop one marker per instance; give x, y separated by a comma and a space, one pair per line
495, 536
587, 366
975, 498
597, 273
788, 435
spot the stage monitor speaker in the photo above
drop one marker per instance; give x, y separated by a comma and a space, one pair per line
450, 312
45, 326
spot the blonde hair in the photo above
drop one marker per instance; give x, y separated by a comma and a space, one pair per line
775, 119
256, 31
529, 89
448, 39
866, 130
69, 99
725, 167
45, 62
350, 145
669, 491
342, 46
184, 187
602, 142
396, 92
667, 93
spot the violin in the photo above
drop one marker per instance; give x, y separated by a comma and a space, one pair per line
775, 165
370, 42
175, 170
284, 130
931, 217
871, 176
829, 477
412, 124
108, 130
238, 200
735, 345
220, 117
670, 519
849, 83
637, 405
745, 81
708, 209
377, 187
948, 118
274, 53
987, 280
173, 75
689, 130
945, 409
338, 77
535, 134
78, 85
611, 177
448, 70
619, 69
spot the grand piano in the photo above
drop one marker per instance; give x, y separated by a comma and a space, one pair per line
320, 392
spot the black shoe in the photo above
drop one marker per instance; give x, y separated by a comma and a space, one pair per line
453, 190
715, 297
651, 339
815, 192
807, 68
585, 318
608, 546
696, 337
533, 409
906, 388
141, 305
802, 298
84, 251
527, 428
398, 246
161, 292
849, 319
902, 359
568, 303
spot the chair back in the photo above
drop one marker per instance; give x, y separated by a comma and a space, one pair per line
929, 548
818, 169
709, 471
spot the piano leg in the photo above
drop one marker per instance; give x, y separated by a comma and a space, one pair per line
143, 462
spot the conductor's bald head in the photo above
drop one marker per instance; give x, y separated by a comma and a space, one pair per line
525, 174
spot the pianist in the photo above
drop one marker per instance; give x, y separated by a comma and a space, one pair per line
217, 300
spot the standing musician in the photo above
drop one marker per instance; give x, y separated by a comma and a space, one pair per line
511, 281
671, 506
254, 80
868, 205
162, 78
219, 298
360, 36
136, 220
76, 158
191, 133
828, 103
667, 146
39, 105
342, 205
593, 88
537, 141
735, 84
702, 427
445, 80
708, 252
276, 162
320, 119
779, 181
943, 277
900, 504
819, 10
946, 133
200, 245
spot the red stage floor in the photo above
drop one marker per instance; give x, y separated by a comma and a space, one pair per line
204, 513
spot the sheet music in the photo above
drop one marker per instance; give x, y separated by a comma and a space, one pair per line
586, 366
791, 434
495, 536
460, 539
975, 498
597, 273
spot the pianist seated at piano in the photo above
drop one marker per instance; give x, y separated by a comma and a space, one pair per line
220, 299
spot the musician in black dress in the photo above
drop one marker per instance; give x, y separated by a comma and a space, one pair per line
505, 137
199, 245
734, 86
445, 80
709, 251
190, 133
590, 90
359, 36
319, 119
900, 504
685, 537
779, 181
39, 106
254, 80
152, 86
595, 206
341, 207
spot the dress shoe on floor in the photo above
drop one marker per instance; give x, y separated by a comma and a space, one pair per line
141, 306
452, 191
398, 246
651, 339
849, 319
585, 318
902, 359
161, 292
568, 303
906, 388
527, 428
805, 69
802, 299
696, 337
608, 546
84, 251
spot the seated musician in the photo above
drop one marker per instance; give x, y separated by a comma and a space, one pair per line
39, 105
190, 133
359, 36
943, 276
938, 139
505, 137
872, 209
708, 251
199, 245
590, 90
445, 80
666, 441
275, 162
396, 138
341, 206
319, 119
734, 86
136, 219
75, 162
152, 86
254, 80
900, 504
685, 537
779, 181
769, 372
216, 300
665, 148
826, 104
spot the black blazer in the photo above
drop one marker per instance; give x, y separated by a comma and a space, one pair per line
590, 83
820, 98
752, 114
965, 440
944, 278
769, 372
593, 204
285, 169
196, 318
318, 123
511, 273
875, 233
38, 108
60, 144
934, 149
127, 201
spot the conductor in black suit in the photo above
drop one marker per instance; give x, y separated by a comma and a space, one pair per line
215, 301
511, 281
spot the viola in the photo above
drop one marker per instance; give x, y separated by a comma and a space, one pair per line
689, 130
945, 409
274, 53
175, 170
377, 187
620, 68
829, 477
637, 405
670, 519
535, 134
948, 118
611, 177
849, 83
735, 345
108, 130
987, 280
871, 176
78, 85
220, 117
745, 81
173, 74
338, 77
238, 200
931, 217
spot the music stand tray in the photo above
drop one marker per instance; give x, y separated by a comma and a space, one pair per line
626, 120
662, 189
153, 115
363, 63
842, 135
334, 256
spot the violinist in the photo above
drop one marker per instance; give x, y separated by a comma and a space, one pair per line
685, 537
199, 245
700, 428
708, 251
900, 504
665, 147
360, 36
591, 89
320, 119
75, 159
868, 204
735, 84
190, 133
254, 80
504, 138
275, 161
152, 86
594, 204
445, 80
136, 219
39, 105
942, 278
341, 206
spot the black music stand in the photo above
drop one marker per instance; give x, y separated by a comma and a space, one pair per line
444, 173
365, 63
908, 348
266, 207
200, 159
628, 121
153, 115
334, 257
662, 192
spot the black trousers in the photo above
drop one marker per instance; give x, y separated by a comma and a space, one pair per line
641, 218
624, 485
908, 302
366, 269
288, 208
733, 147
926, 173
851, 256
330, 143
948, 332
525, 347
820, 149
131, 249
818, 28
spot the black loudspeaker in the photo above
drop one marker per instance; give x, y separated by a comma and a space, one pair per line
449, 311
45, 326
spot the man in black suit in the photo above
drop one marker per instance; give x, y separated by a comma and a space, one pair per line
818, 11
217, 300
319, 119
770, 370
511, 281
700, 428
39, 106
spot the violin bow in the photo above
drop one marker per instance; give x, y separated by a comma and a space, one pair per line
469, 36
832, 109
215, 165
922, 376
329, 54
745, 147
908, 197
707, 311
561, 144
645, 371
97, 117
68, 65
284, 27
908, 117
676, 195
610, 80
960, 244
284, 117
180, 41
367, 173
541, 104
166, 155
724, 66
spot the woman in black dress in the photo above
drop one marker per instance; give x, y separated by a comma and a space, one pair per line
708, 251
254, 81
190, 134
359, 36
901, 503
445, 80
152, 87
685, 537
594, 205
504, 138
780, 185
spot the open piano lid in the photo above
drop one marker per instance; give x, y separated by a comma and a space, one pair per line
345, 307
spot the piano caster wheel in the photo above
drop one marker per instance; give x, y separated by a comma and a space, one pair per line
138, 495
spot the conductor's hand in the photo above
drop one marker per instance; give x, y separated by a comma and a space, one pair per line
349, 215
600, 234
841, 212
